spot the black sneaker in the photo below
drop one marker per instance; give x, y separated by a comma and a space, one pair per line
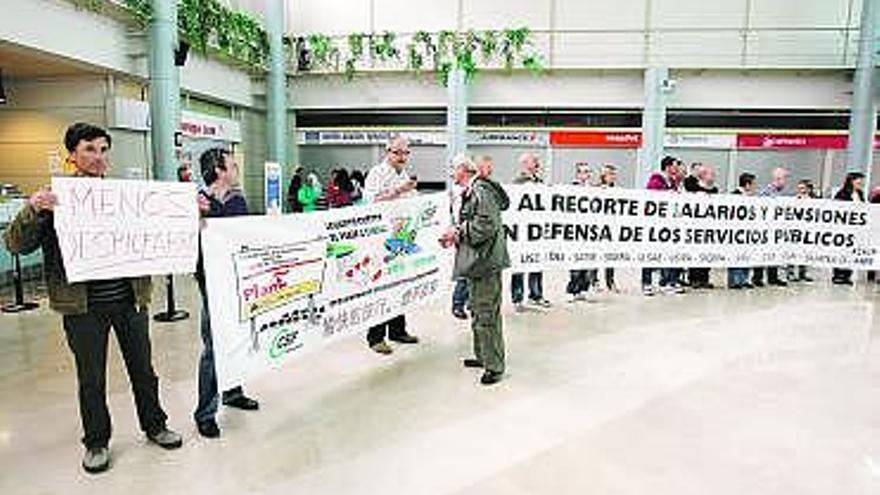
405, 339
490, 377
208, 429
459, 313
472, 363
242, 402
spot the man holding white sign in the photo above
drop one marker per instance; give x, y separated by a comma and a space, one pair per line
388, 181
90, 308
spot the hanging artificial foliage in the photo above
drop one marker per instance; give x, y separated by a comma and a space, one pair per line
210, 26
440, 52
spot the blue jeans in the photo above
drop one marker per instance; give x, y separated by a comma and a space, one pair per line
536, 287
206, 409
460, 294
668, 276
737, 277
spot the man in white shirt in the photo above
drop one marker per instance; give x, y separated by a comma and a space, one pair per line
388, 181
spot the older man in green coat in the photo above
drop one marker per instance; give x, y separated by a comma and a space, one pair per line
481, 255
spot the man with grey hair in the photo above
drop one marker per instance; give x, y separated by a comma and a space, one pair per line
481, 255
772, 190
460, 294
530, 172
388, 181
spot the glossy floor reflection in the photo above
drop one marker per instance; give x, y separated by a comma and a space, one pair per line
764, 392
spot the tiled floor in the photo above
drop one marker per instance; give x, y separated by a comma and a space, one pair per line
775, 391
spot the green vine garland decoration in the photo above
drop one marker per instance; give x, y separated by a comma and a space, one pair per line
441, 52
209, 25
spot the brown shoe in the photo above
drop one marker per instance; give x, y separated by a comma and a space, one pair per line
382, 348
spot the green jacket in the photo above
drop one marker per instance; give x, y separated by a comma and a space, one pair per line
308, 197
30, 231
482, 247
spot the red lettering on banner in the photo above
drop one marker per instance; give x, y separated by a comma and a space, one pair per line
596, 139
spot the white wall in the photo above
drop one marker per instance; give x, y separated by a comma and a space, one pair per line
588, 89
622, 33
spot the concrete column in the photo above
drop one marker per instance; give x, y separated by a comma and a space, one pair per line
653, 122
164, 88
276, 84
863, 112
456, 118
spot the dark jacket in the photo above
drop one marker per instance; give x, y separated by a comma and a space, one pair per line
32, 230
482, 248
846, 195
232, 205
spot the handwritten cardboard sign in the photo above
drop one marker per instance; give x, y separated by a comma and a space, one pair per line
125, 228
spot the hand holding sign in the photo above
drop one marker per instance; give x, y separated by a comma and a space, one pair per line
43, 200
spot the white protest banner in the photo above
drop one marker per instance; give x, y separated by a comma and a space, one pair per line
281, 286
565, 227
125, 228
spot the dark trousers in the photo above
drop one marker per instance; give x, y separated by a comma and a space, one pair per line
536, 287
668, 276
209, 402
698, 276
842, 275
87, 337
581, 281
460, 294
772, 274
609, 278
393, 328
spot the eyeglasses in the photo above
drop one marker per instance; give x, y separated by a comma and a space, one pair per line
400, 152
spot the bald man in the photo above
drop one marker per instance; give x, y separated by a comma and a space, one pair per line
772, 190
530, 172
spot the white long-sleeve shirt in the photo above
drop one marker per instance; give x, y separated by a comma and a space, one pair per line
383, 178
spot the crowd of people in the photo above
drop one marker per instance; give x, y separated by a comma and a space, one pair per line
89, 310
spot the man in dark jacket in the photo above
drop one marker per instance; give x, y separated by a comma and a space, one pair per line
89, 309
221, 199
480, 257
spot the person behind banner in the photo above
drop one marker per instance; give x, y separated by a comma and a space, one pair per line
738, 278
90, 309
608, 179
803, 190
388, 181
481, 255
853, 191
222, 199
774, 189
296, 182
581, 282
310, 193
339, 189
530, 172
699, 278
667, 179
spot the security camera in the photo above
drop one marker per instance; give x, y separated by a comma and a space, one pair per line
668, 85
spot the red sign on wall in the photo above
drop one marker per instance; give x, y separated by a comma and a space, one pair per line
791, 141
596, 139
